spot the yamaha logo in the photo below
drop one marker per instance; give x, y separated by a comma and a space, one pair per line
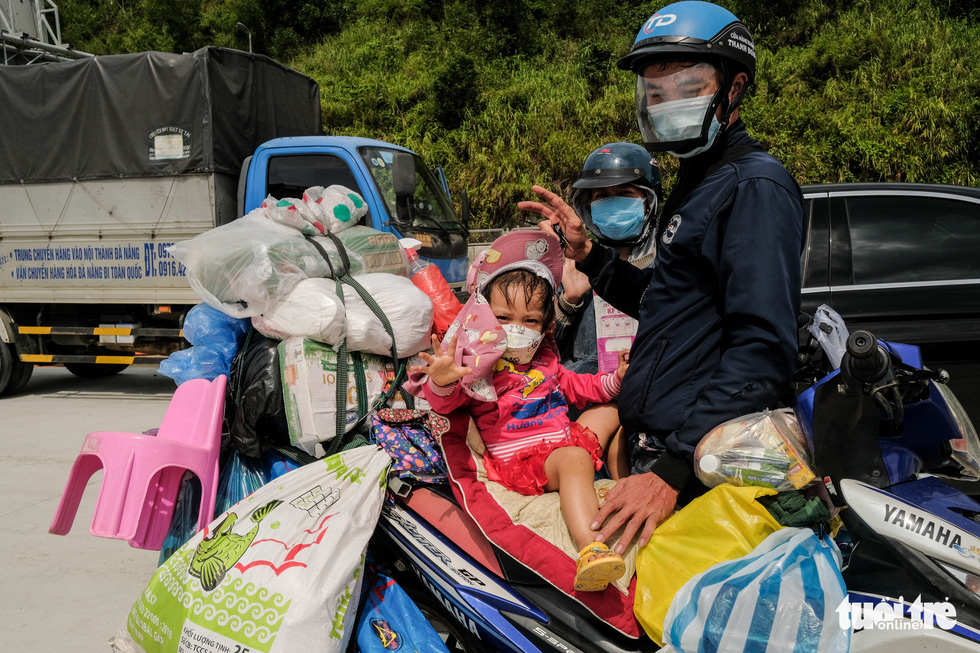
923, 526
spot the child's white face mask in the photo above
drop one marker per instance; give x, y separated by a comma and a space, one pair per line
522, 343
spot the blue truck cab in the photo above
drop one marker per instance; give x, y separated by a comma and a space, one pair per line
404, 196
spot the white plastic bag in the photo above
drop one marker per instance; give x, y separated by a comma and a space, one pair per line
243, 268
335, 207
311, 310
830, 331
767, 449
279, 572
408, 309
781, 597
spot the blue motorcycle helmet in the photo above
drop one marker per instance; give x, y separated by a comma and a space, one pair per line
615, 164
700, 33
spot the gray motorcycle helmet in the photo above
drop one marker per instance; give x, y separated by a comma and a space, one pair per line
612, 165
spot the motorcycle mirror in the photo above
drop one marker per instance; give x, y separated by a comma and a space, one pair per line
403, 176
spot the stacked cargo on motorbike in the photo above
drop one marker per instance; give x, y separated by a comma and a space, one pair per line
499, 584
325, 510
335, 293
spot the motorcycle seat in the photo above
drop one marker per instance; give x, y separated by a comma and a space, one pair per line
530, 532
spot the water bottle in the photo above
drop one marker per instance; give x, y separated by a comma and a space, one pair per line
428, 279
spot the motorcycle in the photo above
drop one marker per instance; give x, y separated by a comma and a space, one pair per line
884, 431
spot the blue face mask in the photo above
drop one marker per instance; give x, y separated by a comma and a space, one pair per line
619, 218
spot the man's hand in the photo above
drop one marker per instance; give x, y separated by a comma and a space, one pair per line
575, 285
442, 368
640, 502
556, 211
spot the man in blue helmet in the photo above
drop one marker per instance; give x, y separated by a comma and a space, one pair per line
717, 311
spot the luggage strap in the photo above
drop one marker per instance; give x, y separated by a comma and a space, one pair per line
340, 442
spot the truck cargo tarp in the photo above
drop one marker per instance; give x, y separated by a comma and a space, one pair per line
147, 114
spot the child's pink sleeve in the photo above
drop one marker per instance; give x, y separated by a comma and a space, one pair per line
582, 389
443, 399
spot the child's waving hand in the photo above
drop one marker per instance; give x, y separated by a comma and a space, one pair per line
442, 368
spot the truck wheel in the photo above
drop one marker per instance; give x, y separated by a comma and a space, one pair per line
13, 373
94, 370
27, 370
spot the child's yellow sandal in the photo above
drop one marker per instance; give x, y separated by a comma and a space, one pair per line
594, 575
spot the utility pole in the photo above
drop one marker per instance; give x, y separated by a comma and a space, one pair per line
249, 32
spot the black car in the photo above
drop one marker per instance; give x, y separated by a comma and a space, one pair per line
903, 261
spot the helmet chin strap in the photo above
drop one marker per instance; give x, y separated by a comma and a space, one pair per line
728, 108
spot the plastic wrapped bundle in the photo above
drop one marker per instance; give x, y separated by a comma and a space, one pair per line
311, 310
766, 449
310, 381
408, 309
292, 213
243, 268
336, 207
374, 251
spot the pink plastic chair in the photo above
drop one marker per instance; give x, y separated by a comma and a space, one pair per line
142, 473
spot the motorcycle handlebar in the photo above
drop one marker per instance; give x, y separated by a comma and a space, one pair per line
867, 362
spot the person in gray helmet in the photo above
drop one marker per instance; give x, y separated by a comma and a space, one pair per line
617, 195
717, 310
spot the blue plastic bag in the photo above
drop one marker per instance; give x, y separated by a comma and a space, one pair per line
785, 592
183, 524
390, 621
238, 478
277, 463
215, 337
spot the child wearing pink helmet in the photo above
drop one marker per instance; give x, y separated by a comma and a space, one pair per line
501, 365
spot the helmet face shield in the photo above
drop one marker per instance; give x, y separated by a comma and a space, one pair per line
676, 104
611, 170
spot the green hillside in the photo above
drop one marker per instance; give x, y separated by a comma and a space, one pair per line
509, 93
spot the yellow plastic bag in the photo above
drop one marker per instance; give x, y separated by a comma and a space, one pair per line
723, 524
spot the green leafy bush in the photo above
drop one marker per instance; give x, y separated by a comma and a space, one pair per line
508, 94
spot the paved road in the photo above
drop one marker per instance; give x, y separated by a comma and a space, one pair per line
68, 593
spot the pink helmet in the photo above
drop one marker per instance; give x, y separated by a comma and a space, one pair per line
533, 250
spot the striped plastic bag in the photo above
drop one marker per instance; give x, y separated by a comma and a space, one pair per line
780, 597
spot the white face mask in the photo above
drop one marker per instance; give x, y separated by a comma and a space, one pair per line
713, 130
522, 343
679, 120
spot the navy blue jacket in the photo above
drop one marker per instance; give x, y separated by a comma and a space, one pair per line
717, 309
